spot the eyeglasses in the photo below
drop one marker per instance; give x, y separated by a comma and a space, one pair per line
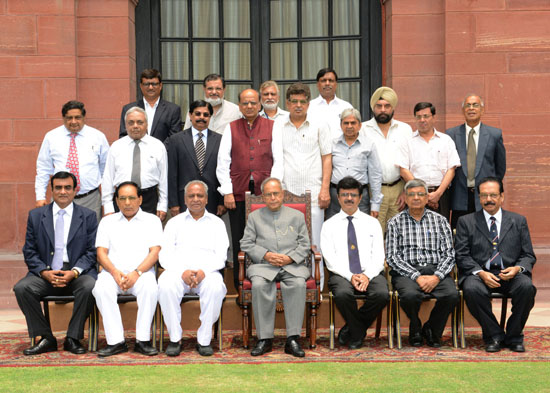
418, 194
422, 117
247, 103
138, 122
127, 198
150, 84
294, 102
474, 105
66, 188
214, 89
485, 196
203, 114
272, 194
349, 194
69, 118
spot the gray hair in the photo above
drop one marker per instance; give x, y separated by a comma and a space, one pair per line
473, 95
416, 183
268, 180
136, 109
350, 112
196, 182
269, 83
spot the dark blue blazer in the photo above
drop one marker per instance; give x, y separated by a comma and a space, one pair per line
40, 240
167, 120
490, 161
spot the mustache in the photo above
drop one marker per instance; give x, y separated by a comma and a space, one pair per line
200, 121
489, 203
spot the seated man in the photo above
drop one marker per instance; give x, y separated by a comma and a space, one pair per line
128, 243
277, 241
494, 254
60, 254
419, 249
194, 250
353, 247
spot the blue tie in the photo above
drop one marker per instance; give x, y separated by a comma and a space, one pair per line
495, 262
353, 250
57, 262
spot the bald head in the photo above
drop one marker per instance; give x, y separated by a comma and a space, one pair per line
249, 104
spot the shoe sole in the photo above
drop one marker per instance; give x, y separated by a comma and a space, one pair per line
38, 353
288, 351
111, 354
262, 353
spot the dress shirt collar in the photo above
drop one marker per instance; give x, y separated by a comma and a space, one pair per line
81, 132
188, 217
138, 217
321, 101
145, 139
342, 139
306, 122
498, 217
195, 132
68, 210
414, 219
476, 128
436, 134
151, 106
343, 216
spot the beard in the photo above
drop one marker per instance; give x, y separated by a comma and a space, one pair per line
270, 107
383, 118
214, 101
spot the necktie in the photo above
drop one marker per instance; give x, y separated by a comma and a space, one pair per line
495, 262
136, 164
471, 158
353, 250
57, 262
72, 160
200, 152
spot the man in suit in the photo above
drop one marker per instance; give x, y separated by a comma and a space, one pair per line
164, 116
494, 253
60, 254
277, 241
482, 154
193, 155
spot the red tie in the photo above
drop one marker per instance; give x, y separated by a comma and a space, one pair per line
72, 161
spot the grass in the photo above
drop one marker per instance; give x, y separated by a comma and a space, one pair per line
415, 377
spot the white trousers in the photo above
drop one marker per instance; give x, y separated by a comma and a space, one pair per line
145, 290
211, 293
317, 219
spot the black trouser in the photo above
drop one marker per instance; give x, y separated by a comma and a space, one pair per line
471, 208
150, 200
31, 289
444, 207
359, 320
237, 223
477, 296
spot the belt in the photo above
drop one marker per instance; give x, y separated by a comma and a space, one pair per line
472, 189
86, 193
391, 184
432, 189
149, 189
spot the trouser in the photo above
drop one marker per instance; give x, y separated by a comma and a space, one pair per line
456, 214
389, 207
264, 298
149, 202
211, 291
359, 320
145, 290
91, 201
444, 207
237, 222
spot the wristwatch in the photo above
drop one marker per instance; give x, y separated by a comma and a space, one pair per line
139, 272
76, 273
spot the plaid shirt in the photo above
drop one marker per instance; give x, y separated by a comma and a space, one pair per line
411, 244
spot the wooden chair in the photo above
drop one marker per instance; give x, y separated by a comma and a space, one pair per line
389, 313
313, 288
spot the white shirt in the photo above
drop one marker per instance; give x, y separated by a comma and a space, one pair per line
280, 112
429, 161
224, 161
150, 110
328, 112
154, 169
194, 244
66, 226
334, 244
195, 134
301, 149
476, 134
498, 219
129, 242
225, 115
92, 148
388, 147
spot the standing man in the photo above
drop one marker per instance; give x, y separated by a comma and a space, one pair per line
306, 147
140, 158
327, 106
269, 94
419, 249
387, 134
60, 254
431, 156
355, 155
352, 244
224, 111
194, 250
164, 116
277, 241
482, 154
76, 148
193, 155
494, 254
245, 159
128, 244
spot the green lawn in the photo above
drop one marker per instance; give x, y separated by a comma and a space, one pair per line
502, 377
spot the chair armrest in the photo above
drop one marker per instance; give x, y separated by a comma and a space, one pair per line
317, 260
241, 258
387, 269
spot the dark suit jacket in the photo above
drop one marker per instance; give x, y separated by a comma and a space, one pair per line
167, 120
490, 161
183, 167
40, 240
473, 243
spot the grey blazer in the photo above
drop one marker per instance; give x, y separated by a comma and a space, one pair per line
283, 232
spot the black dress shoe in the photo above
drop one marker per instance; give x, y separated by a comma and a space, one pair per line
292, 347
43, 346
262, 346
518, 347
111, 350
73, 345
493, 346
343, 335
430, 337
204, 350
355, 344
416, 340
173, 349
145, 348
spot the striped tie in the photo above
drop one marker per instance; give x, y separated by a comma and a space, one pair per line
200, 152
495, 262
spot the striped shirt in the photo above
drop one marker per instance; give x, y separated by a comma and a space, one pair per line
411, 244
